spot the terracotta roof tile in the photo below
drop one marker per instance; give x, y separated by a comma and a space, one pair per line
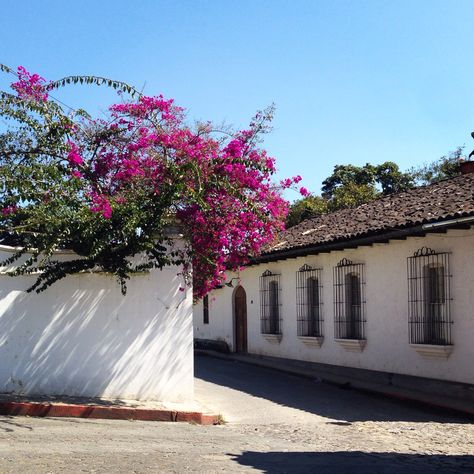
446, 199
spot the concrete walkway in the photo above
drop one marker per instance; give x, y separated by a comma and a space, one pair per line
448, 396
245, 393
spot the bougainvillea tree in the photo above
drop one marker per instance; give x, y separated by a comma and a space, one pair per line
108, 189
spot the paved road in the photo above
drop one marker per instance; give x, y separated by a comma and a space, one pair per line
277, 423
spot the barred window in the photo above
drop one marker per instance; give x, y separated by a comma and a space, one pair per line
309, 301
429, 296
205, 310
349, 303
270, 303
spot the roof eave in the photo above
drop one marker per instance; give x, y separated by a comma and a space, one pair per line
367, 239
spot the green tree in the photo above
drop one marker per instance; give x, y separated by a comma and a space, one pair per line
350, 186
386, 178
344, 175
445, 167
391, 180
352, 195
306, 208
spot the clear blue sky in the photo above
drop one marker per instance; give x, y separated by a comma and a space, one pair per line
353, 81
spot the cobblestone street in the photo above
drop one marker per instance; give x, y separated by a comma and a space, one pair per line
276, 423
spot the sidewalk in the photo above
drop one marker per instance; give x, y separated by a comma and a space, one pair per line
78, 407
390, 385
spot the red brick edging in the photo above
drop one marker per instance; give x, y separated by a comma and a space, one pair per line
44, 409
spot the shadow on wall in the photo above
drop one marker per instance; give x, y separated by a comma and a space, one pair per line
354, 462
81, 337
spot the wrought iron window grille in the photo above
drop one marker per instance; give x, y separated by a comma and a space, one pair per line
429, 297
309, 301
349, 300
270, 303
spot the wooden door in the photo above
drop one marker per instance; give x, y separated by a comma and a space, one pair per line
240, 317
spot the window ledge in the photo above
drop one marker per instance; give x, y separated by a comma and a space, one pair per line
272, 337
312, 340
431, 351
352, 345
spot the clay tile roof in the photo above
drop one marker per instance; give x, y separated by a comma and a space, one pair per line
450, 198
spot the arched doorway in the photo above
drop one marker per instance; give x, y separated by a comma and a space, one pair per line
240, 319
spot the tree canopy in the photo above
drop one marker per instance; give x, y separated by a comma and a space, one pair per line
387, 176
110, 188
349, 185
445, 167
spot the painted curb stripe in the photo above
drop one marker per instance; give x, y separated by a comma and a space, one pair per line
101, 412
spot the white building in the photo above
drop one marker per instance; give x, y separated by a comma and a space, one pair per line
386, 287
82, 337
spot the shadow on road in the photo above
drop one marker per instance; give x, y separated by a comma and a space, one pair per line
341, 404
7, 424
354, 462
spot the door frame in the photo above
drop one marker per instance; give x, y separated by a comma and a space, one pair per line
234, 319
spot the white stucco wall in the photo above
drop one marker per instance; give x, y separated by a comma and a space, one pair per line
82, 337
386, 288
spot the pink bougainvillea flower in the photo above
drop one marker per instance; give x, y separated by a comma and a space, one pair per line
6, 211
74, 156
143, 163
101, 204
304, 192
30, 86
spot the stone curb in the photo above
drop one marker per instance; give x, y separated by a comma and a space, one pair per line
45, 409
